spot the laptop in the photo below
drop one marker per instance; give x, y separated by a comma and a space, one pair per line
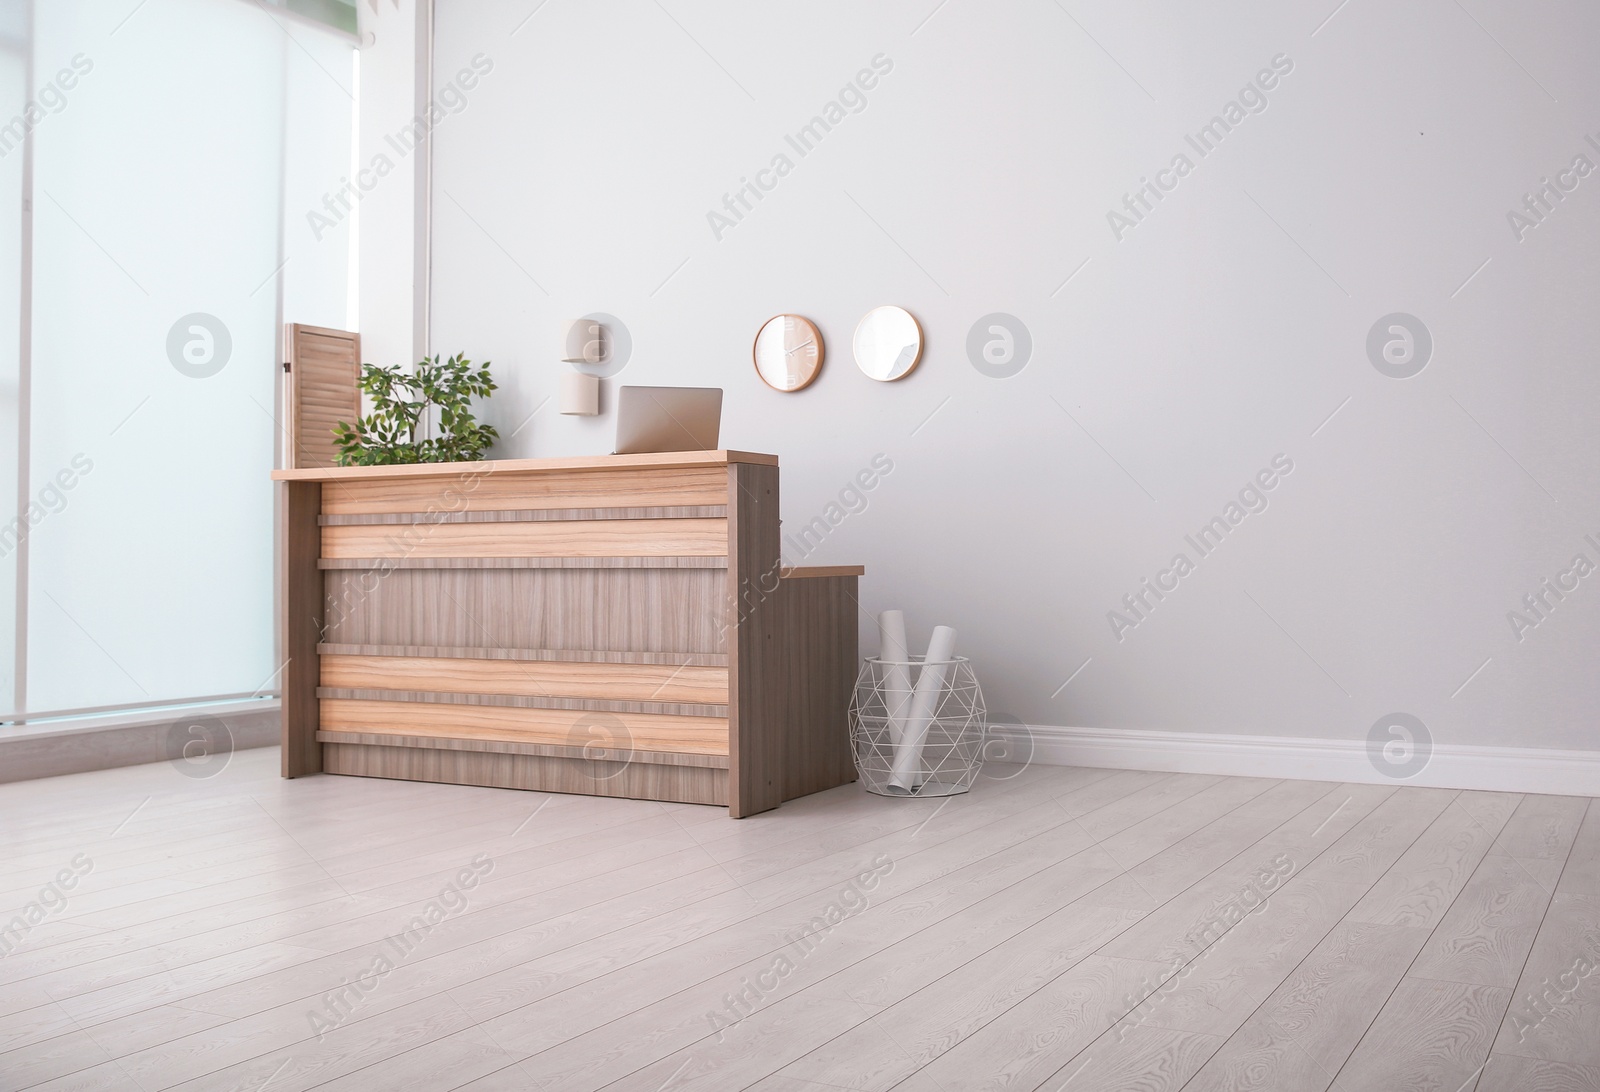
653, 419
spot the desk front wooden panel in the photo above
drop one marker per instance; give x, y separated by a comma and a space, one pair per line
612, 627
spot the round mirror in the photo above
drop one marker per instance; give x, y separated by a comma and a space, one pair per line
788, 353
888, 343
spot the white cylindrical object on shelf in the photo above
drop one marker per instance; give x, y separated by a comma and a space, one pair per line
924, 703
580, 394
580, 342
896, 670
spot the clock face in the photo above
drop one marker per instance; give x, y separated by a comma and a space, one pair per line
788, 353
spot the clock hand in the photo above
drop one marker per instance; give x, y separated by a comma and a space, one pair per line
797, 348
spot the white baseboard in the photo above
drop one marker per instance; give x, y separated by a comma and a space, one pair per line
1498, 769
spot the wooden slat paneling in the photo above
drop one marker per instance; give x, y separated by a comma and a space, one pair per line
570, 655
520, 515
622, 610
618, 682
524, 701
504, 747
320, 390
635, 780
485, 489
638, 562
557, 538
612, 731
514, 611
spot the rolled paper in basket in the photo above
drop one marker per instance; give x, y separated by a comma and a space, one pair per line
896, 672
924, 703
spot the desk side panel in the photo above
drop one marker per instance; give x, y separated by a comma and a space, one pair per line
301, 587
756, 660
818, 616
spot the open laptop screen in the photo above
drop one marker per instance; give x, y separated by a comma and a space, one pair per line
668, 419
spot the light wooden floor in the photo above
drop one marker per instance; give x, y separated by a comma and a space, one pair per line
1066, 928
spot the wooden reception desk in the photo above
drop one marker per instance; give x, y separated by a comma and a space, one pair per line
617, 625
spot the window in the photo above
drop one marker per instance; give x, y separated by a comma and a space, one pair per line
173, 149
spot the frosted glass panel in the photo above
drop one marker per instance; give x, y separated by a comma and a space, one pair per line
159, 192
13, 98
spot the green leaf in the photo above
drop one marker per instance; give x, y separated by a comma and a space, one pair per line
401, 404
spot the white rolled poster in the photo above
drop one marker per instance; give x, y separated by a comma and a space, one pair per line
896, 671
924, 703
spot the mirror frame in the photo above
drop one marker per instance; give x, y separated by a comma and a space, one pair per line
915, 361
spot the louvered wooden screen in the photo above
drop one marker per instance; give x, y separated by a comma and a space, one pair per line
320, 391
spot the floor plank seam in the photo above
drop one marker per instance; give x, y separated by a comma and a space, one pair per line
620, 935
1087, 895
1378, 1011
996, 820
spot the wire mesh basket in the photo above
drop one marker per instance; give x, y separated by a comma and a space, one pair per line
893, 755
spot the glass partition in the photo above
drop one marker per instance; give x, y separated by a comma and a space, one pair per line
177, 151
14, 55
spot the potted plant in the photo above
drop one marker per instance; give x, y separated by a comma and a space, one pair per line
432, 395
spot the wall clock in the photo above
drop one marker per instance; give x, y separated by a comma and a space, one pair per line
788, 353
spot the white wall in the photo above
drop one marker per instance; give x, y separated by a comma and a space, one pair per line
319, 105
387, 186
1220, 332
